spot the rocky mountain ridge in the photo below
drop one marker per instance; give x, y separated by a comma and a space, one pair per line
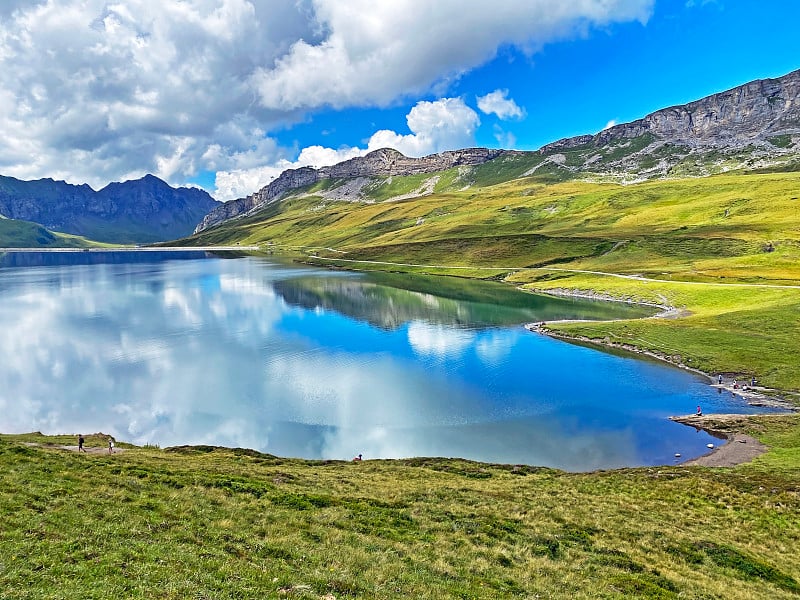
747, 114
753, 125
138, 211
385, 162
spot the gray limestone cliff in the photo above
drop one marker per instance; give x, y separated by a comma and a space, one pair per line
748, 114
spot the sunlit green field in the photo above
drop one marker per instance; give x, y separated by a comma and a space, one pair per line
215, 523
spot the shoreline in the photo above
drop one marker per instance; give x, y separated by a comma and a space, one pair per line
136, 249
754, 396
738, 448
667, 312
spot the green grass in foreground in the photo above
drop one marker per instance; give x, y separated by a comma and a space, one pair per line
214, 523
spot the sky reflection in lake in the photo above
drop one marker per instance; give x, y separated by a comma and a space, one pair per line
303, 362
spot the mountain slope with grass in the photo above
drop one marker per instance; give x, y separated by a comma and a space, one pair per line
699, 240
23, 234
753, 126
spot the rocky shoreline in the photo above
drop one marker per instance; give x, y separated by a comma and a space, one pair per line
738, 447
754, 395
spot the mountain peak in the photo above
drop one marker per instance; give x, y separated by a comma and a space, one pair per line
142, 210
150, 178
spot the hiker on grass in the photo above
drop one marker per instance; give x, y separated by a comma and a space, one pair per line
80, 443
110, 445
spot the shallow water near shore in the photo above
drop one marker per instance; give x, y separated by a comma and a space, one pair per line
192, 348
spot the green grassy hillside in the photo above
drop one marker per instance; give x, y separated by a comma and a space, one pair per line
695, 228
22, 234
725, 229
214, 523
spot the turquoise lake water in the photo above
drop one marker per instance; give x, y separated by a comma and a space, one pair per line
190, 348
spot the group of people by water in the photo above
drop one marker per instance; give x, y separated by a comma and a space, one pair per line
735, 385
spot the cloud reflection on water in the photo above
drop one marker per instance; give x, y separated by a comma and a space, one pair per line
238, 353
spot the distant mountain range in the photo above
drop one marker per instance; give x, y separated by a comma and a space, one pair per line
139, 211
753, 126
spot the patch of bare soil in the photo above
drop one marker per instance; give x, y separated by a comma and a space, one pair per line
739, 449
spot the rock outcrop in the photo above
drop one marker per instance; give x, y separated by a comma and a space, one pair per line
379, 163
140, 211
748, 114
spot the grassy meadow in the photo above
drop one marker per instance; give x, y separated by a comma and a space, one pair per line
203, 522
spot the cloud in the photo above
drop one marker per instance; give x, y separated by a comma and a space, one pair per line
504, 138
498, 103
610, 124
445, 124
94, 91
435, 126
373, 53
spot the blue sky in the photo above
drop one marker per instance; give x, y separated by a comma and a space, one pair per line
226, 94
617, 73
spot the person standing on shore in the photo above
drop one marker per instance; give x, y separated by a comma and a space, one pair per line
699, 411
720, 379
80, 443
110, 445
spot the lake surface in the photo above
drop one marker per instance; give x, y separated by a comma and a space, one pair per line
189, 348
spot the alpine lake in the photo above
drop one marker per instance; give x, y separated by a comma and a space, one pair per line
173, 348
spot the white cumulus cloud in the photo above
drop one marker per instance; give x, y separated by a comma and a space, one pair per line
435, 126
446, 124
373, 52
500, 104
96, 90
93, 91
